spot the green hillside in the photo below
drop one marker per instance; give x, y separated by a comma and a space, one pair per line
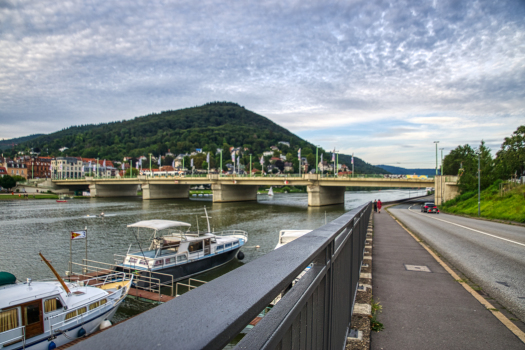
6, 144
499, 201
211, 126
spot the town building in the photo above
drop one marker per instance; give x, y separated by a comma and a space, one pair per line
3, 171
66, 168
38, 167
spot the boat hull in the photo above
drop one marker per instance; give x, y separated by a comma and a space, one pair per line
192, 268
42, 341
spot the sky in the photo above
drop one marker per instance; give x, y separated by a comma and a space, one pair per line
380, 79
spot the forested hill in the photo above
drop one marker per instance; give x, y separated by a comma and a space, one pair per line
5, 144
404, 171
211, 126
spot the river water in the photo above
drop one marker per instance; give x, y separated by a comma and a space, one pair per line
31, 226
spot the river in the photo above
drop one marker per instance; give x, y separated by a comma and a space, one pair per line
31, 226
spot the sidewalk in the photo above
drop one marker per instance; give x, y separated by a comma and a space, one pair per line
426, 310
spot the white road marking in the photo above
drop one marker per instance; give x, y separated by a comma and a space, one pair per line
468, 228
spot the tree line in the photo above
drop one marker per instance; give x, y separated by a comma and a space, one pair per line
508, 162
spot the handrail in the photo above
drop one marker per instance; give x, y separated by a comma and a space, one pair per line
14, 340
152, 284
320, 304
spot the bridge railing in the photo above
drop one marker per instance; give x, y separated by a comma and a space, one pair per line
315, 313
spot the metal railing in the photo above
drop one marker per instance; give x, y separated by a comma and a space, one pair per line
19, 335
187, 286
150, 281
314, 314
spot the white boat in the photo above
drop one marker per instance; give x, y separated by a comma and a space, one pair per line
270, 192
286, 236
182, 254
45, 315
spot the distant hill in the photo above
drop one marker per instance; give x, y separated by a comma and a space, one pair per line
402, 171
208, 127
6, 144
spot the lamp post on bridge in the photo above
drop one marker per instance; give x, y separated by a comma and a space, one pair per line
150, 172
317, 159
250, 165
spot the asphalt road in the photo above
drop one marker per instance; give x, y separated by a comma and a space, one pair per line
490, 254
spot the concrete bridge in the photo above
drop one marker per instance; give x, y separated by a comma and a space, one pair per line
321, 190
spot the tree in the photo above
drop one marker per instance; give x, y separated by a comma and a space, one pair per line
510, 160
7, 181
19, 178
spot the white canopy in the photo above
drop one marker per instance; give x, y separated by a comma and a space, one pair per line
159, 224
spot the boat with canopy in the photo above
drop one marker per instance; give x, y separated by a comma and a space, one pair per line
179, 252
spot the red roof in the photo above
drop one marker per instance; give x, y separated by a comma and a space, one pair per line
3, 170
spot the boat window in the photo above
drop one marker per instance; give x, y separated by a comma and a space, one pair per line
235, 243
219, 247
8, 320
71, 314
52, 304
169, 260
132, 260
81, 310
158, 262
97, 304
195, 247
143, 262
228, 245
181, 258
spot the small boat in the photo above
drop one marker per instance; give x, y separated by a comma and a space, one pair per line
62, 199
270, 192
45, 315
179, 253
286, 236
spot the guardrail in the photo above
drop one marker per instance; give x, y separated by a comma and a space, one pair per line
148, 280
314, 314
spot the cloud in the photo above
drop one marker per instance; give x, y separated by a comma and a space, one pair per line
398, 70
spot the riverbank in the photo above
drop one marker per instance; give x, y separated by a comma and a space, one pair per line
26, 196
497, 204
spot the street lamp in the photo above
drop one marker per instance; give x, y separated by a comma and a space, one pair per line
436, 142
250, 165
317, 159
220, 170
441, 177
150, 172
479, 182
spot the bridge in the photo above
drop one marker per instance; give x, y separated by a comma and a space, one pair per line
322, 190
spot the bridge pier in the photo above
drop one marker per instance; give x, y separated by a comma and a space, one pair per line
150, 191
234, 193
319, 196
104, 191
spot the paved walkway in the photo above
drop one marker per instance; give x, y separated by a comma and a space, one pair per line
426, 310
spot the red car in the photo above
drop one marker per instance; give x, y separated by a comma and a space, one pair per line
429, 208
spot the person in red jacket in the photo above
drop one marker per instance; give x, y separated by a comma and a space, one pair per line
379, 205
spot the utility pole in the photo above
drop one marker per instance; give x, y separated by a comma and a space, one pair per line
441, 177
436, 142
479, 183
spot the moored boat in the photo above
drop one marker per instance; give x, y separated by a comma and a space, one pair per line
44, 315
182, 254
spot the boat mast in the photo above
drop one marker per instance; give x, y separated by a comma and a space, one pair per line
56, 274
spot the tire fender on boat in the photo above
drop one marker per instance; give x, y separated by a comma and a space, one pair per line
240, 255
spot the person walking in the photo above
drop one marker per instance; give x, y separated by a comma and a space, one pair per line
379, 205
375, 205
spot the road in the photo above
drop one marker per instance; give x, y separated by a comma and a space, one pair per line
490, 254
